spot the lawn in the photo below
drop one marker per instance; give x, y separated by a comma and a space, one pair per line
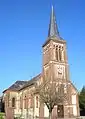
1, 115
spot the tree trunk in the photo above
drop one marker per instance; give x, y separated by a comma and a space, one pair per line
50, 114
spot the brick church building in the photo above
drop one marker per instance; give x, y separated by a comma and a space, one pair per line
18, 98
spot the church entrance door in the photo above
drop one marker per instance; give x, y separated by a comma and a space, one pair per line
60, 111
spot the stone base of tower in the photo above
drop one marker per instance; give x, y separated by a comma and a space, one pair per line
61, 111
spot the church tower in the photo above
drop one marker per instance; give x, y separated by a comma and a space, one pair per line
55, 64
55, 67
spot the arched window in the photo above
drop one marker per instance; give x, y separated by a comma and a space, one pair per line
28, 101
21, 103
62, 53
25, 102
60, 57
13, 102
31, 101
36, 101
56, 53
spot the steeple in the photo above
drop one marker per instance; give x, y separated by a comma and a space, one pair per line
53, 33
53, 29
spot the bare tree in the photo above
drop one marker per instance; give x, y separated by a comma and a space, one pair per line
51, 93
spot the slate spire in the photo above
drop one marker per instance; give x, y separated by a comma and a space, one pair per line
53, 29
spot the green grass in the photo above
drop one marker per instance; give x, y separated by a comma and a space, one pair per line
1, 115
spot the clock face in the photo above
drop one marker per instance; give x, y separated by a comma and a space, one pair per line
59, 69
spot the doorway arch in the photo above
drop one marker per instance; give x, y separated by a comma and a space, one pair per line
60, 111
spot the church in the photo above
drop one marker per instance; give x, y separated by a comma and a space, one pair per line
19, 98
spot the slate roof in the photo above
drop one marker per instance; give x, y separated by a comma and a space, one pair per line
19, 85
53, 33
32, 81
53, 29
16, 86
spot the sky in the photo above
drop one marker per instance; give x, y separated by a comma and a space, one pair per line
23, 30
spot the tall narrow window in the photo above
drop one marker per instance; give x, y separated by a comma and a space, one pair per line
25, 100
36, 101
62, 53
8, 100
60, 57
13, 102
31, 101
28, 101
21, 103
56, 53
